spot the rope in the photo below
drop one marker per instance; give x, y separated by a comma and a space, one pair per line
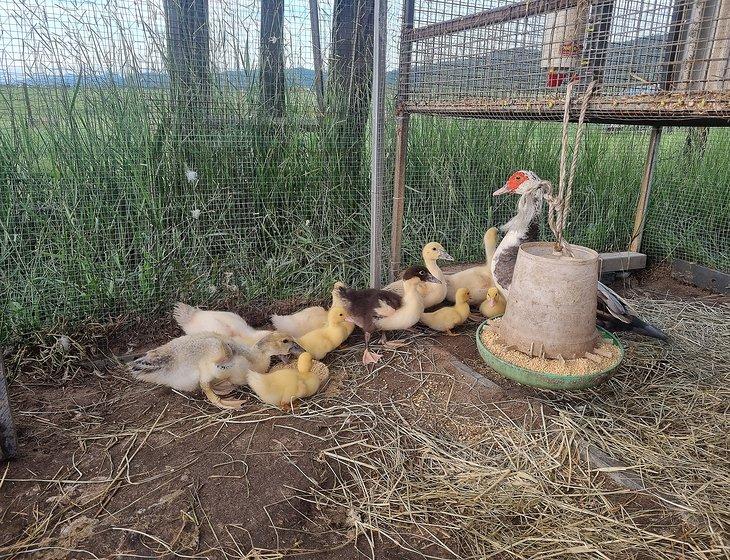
559, 205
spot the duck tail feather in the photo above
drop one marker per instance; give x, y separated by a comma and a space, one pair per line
646, 329
183, 313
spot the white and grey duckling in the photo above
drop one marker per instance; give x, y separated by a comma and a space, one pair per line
382, 310
433, 294
211, 362
193, 320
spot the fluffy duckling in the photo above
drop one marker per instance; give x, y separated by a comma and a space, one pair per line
381, 310
193, 320
477, 278
494, 305
282, 386
447, 318
300, 323
213, 362
322, 341
433, 294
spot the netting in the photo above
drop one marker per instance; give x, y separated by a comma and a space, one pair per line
138, 167
658, 62
163, 149
653, 60
454, 164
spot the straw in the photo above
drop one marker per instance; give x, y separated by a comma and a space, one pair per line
418, 458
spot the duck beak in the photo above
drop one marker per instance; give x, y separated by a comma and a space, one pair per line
503, 190
431, 278
445, 256
295, 349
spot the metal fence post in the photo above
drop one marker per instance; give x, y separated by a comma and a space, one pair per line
376, 163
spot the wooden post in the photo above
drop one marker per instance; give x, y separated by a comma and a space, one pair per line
401, 141
376, 167
188, 58
399, 184
272, 57
642, 204
317, 54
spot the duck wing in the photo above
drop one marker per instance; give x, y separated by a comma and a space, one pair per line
365, 306
388, 303
615, 314
395, 287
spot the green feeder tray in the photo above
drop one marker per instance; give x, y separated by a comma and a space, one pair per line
548, 380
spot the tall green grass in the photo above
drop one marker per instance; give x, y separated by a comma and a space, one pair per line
97, 215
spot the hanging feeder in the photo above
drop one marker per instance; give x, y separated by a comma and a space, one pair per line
547, 380
547, 336
562, 44
551, 307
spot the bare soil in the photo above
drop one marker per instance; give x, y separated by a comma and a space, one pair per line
114, 468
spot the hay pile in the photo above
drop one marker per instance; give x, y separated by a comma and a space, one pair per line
523, 491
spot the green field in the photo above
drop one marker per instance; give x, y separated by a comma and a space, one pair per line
98, 216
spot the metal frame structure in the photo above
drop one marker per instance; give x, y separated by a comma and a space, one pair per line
377, 156
693, 88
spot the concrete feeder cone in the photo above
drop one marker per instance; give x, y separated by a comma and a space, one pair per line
551, 306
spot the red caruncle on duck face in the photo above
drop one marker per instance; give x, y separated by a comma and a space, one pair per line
517, 183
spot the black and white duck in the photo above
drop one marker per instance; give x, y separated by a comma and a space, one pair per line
613, 313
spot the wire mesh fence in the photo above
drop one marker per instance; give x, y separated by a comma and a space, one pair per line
654, 60
138, 167
658, 62
164, 149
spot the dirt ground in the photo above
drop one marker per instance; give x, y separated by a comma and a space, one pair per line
112, 468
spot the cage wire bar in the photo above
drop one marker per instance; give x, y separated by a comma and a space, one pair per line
656, 62
377, 125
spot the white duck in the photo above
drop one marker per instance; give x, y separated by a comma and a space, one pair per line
433, 294
476, 279
613, 312
193, 320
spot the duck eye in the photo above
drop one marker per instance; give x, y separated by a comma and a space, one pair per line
286, 341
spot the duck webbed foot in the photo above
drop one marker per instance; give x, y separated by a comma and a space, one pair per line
226, 404
369, 357
223, 388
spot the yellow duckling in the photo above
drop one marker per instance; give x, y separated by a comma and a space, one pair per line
282, 386
494, 305
322, 341
447, 318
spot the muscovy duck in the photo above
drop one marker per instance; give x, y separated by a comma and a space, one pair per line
613, 313
381, 310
